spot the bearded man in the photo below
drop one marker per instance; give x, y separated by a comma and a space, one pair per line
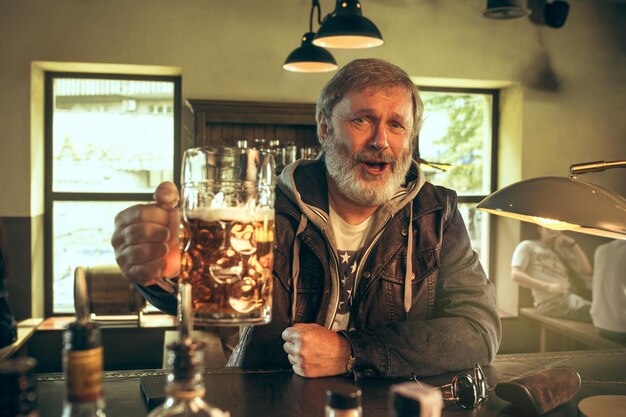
373, 273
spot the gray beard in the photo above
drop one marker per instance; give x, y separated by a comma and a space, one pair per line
366, 191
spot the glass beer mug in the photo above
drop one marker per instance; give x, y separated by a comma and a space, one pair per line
228, 234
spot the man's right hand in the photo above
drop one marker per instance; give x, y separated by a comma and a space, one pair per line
146, 238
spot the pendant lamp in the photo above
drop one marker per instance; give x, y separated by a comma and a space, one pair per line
347, 28
309, 57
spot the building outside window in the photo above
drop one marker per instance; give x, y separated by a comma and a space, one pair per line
110, 140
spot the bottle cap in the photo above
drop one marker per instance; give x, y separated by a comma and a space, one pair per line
343, 398
405, 406
408, 399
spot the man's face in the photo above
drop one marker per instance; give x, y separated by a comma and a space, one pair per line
367, 144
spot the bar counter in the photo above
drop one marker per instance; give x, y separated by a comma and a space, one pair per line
284, 394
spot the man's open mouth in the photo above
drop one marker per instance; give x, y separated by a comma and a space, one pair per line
375, 167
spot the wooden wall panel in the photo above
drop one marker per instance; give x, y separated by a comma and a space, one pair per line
226, 122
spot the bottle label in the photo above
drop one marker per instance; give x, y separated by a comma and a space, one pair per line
83, 374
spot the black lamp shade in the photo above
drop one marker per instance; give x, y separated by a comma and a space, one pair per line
348, 29
310, 58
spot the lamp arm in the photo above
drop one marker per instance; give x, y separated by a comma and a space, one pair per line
319, 11
315, 4
596, 166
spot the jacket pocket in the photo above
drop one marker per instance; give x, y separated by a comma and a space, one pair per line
391, 286
310, 283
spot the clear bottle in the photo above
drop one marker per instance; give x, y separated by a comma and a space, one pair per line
184, 389
343, 402
82, 365
18, 396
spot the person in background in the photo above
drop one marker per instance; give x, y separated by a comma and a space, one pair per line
8, 330
544, 266
373, 274
608, 304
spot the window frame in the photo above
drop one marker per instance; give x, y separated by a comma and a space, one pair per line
495, 140
50, 196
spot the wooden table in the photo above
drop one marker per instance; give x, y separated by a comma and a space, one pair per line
283, 394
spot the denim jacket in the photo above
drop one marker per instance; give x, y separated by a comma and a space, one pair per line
437, 317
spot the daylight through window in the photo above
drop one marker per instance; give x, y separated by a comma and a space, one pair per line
110, 141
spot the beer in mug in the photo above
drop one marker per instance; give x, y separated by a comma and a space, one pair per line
228, 237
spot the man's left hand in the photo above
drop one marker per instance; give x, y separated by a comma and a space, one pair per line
314, 351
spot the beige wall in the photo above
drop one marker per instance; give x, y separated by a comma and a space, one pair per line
235, 49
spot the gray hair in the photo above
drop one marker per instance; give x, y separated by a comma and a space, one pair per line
367, 73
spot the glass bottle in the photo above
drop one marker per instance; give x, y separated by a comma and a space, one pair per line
18, 396
343, 402
184, 389
290, 153
83, 360
82, 364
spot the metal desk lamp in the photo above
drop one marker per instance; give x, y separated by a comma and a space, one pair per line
564, 203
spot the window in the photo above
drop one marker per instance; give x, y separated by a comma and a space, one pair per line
110, 140
458, 138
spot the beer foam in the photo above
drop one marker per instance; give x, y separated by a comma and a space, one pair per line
237, 214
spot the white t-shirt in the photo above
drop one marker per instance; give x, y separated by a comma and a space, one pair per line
608, 306
542, 263
350, 240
